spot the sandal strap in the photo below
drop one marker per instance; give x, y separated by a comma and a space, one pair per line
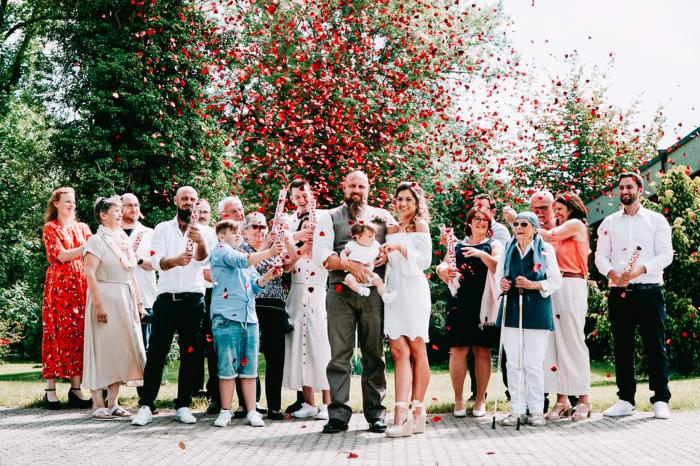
101, 411
402, 404
417, 404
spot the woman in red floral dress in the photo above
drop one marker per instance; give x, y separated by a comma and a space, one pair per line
65, 291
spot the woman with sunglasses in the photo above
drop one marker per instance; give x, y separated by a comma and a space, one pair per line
528, 273
471, 314
567, 367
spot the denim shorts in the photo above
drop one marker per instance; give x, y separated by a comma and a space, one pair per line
237, 347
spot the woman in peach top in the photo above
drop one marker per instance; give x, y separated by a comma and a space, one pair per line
567, 366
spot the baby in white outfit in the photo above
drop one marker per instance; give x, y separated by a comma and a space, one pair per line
364, 248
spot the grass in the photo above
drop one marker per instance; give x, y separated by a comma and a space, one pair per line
21, 385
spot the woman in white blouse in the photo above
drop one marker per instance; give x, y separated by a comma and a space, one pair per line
406, 318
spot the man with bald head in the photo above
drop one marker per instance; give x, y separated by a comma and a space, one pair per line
140, 241
179, 253
348, 311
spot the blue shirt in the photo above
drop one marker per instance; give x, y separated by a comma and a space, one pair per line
235, 284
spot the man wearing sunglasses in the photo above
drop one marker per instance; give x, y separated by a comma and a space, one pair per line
541, 203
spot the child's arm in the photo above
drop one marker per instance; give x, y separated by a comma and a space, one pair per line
257, 257
344, 257
271, 274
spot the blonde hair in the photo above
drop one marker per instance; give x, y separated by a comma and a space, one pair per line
51, 210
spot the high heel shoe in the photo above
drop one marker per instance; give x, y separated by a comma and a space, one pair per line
577, 416
556, 413
74, 401
52, 405
418, 424
406, 428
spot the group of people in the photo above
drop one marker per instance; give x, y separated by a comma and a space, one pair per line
114, 301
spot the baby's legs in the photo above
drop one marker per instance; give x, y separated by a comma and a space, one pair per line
353, 284
387, 296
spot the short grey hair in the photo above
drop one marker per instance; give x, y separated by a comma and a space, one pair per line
544, 194
103, 204
228, 199
252, 216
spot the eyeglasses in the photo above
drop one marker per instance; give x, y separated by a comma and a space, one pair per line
520, 224
135, 206
543, 208
258, 227
480, 220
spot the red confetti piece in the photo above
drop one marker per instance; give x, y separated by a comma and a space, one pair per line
623, 295
181, 444
490, 452
352, 455
190, 349
558, 316
434, 398
321, 233
244, 362
311, 289
436, 418
209, 338
434, 347
153, 253
338, 288
537, 267
553, 368
608, 375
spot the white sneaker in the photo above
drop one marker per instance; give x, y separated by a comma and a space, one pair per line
255, 419
306, 411
323, 413
389, 296
185, 416
620, 408
224, 418
661, 410
143, 417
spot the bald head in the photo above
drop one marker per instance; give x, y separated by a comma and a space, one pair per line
131, 210
186, 197
356, 188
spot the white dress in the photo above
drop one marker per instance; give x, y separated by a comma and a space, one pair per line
409, 313
307, 351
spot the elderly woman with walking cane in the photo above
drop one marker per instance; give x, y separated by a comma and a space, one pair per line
528, 275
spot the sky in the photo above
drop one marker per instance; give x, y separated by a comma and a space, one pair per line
655, 46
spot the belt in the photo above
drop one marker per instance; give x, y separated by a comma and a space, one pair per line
181, 296
638, 287
572, 275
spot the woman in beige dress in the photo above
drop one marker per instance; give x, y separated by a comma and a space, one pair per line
113, 352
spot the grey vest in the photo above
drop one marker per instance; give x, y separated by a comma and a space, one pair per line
341, 228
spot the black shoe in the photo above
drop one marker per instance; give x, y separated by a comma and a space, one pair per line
296, 406
240, 414
378, 426
334, 426
260, 409
275, 415
52, 405
214, 407
75, 402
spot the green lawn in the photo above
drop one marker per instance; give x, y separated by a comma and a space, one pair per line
21, 386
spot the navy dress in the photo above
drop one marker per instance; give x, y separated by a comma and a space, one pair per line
463, 311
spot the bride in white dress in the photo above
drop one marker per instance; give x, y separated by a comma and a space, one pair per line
406, 318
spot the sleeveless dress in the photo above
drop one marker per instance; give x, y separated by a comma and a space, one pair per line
63, 307
409, 313
114, 351
307, 350
463, 311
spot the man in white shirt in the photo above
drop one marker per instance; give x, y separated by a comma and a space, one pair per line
348, 313
231, 208
179, 253
542, 204
636, 295
140, 242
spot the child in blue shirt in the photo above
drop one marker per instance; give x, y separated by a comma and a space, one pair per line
234, 322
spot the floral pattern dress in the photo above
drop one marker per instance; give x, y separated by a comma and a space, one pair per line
63, 309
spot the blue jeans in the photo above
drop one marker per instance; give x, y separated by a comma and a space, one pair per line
237, 347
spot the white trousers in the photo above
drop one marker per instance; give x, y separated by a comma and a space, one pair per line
532, 385
567, 366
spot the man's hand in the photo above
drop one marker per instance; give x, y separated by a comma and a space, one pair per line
359, 270
276, 248
183, 259
304, 235
194, 234
616, 279
627, 277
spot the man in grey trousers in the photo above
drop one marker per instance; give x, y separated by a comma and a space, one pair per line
349, 311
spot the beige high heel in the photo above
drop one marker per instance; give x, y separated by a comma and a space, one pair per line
419, 424
581, 417
406, 428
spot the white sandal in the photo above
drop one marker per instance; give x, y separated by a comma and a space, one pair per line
102, 414
406, 428
418, 424
119, 412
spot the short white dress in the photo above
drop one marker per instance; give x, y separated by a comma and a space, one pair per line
409, 314
307, 351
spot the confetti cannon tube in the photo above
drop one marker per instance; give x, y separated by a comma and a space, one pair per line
194, 217
633, 259
451, 259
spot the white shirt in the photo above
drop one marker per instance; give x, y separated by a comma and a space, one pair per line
363, 254
619, 235
212, 240
146, 279
500, 232
553, 281
324, 235
168, 241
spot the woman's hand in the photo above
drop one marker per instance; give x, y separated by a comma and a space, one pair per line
100, 314
468, 251
389, 248
447, 273
525, 284
142, 310
505, 284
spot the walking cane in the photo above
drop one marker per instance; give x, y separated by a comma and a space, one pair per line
520, 351
500, 351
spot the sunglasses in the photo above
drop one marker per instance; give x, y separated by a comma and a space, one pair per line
520, 224
258, 227
540, 208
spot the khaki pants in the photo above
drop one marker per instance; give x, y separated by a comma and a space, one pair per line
348, 311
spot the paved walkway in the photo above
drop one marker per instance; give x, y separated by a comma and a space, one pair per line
35, 436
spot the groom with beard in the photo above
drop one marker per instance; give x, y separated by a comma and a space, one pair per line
179, 306
348, 311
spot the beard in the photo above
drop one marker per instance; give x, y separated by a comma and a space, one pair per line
631, 199
354, 206
184, 215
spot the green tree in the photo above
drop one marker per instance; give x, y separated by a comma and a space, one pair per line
132, 101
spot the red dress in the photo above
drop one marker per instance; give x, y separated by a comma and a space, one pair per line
63, 309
